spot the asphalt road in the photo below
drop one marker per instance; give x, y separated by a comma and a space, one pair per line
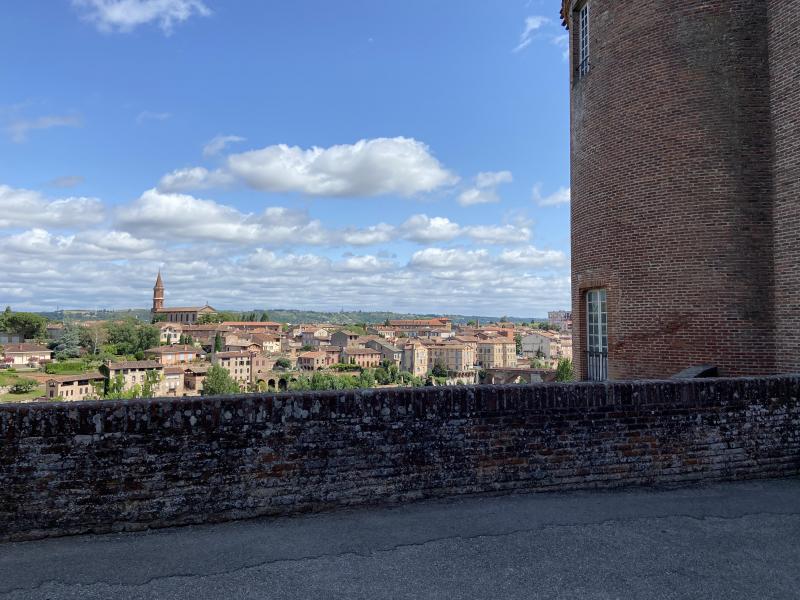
733, 540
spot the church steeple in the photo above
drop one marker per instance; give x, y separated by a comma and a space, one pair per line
158, 294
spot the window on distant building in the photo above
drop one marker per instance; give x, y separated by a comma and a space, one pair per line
597, 335
583, 40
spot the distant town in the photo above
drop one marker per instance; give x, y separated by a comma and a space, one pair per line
199, 350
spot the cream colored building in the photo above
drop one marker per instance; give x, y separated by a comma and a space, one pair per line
72, 388
237, 364
454, 356
24, 354
134, 372
496, 353
174, 355
415, 358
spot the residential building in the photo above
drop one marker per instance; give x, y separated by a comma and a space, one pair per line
170, 333
363, 357
454, 356
312, 361
26, 354
541, 344
496, 352
133, 372
685, 163
175, 354
408, 325
194, 377
269, 342
55, 331
562, 319
237, 364
72, 388
345, 338
172, 382
388, 351
415, 358
253, 326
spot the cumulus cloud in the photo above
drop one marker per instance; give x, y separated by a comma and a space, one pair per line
425, 229
374, 167
484, 191
27, 208
533, 257
125, 15
218, 144
560, 196
532, 25
173, 215
193, 178
18, 129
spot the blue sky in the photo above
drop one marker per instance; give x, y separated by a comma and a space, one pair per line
401, 155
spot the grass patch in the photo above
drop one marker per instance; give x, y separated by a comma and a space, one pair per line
38, 391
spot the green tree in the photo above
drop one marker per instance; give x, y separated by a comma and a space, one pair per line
218, 342
472, 323
26, 325
131, 336
218, 317
69, 346
219, 382
564, 370
264, 317
518, 343
283, 363
439, 370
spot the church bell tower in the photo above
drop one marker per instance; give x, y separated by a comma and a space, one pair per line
158, 294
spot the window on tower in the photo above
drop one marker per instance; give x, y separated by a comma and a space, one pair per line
583, 40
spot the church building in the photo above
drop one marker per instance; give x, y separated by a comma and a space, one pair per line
178, 314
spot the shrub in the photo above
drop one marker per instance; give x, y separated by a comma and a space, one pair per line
23, 386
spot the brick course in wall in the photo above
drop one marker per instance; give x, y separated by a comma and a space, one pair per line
685, 183
68, 468
784, 64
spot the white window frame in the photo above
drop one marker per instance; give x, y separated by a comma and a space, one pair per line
597, 334
583, 40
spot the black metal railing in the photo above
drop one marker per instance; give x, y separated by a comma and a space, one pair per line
597, 364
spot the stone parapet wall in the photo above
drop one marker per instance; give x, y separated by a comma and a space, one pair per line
103, 466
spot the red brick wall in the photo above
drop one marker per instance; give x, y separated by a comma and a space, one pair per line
784, 36
672, 186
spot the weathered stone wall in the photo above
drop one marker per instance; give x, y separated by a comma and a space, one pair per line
109, 466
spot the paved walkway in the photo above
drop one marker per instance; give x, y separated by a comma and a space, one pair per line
735, 540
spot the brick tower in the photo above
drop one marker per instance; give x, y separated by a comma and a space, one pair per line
158, 294
685, 184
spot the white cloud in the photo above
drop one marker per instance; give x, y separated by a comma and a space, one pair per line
374, 167
374, 234
451, 258
532, 25
18, 129
193, 178
533, 257
218, 143
149, 115
561, 196
425, 229
126, 15
171, 215
484, 191
493, 178
27, 208
498, 234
